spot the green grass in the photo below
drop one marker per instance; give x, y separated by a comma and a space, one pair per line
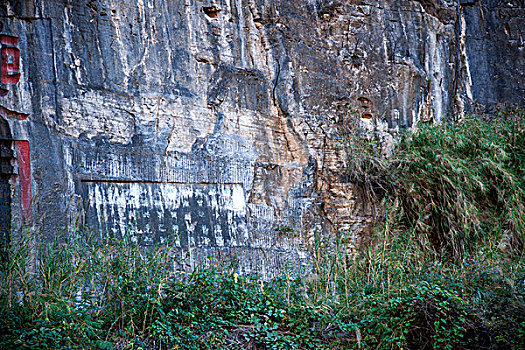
112, 294
445, 269
454, 185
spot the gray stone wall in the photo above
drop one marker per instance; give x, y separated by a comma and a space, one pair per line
214, 122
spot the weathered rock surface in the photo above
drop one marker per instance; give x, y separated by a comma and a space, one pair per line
217, 121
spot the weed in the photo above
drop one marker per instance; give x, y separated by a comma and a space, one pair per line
456, 185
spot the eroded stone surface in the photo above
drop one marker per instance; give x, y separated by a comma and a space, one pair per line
156, 115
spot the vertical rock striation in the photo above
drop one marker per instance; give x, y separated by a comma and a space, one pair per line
214, 122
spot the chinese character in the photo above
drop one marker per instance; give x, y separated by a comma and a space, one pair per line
10, 59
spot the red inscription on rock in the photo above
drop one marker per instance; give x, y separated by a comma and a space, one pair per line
24, 171
10, 74
9, 59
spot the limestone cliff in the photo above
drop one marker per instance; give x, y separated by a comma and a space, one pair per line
215, 122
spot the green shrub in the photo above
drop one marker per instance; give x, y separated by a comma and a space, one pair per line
457, 185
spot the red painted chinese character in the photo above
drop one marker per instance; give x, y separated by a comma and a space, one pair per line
10, 59
24, 171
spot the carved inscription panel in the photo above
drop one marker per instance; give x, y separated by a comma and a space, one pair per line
194, 215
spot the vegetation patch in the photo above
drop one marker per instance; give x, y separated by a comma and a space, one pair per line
453, 185
445, 269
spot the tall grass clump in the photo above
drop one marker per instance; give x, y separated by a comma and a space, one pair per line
78, 291
458, 185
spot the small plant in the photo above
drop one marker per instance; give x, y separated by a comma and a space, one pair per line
283, 229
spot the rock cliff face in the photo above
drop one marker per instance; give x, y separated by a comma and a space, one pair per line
214, 122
